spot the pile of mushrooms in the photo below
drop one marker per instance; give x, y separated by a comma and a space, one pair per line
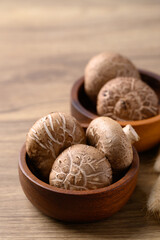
61, 153
113, 83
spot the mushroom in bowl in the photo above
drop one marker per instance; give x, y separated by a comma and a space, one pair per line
48, 137
81, 175
125, 98
148, 129
104, 67
73, 205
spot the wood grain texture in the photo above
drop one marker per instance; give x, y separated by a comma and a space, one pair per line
44, 47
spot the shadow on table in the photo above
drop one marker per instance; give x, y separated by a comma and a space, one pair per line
130, 222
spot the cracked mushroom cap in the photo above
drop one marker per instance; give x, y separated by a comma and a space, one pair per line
81, 167
108, 136
104, 67
48, 137
127, 99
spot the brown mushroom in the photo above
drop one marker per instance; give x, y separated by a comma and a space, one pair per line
81, 167
48, 137
127, 99
104, 67
116, 143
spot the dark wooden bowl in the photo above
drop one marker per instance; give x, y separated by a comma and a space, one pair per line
148, 129
77, 206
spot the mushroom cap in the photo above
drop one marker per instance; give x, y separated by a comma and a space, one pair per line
107, 135
81, 167
48, 137
105, 67
127, 99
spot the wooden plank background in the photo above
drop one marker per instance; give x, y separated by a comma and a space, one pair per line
44, 47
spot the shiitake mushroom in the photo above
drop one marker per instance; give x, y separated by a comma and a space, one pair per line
48, 137
125, 98
104, 67
81, 167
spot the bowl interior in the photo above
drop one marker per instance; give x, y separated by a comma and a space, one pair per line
151, 79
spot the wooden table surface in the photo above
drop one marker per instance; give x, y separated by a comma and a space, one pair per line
44, 47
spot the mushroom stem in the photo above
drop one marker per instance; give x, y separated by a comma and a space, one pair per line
153, 204
131, 133
157, 162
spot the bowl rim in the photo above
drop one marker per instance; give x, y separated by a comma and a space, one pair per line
132, 171
75, 101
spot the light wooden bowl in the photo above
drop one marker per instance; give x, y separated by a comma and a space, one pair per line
77, 206
148, 129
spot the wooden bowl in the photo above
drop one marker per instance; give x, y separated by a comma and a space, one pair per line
148, 129
77, 206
